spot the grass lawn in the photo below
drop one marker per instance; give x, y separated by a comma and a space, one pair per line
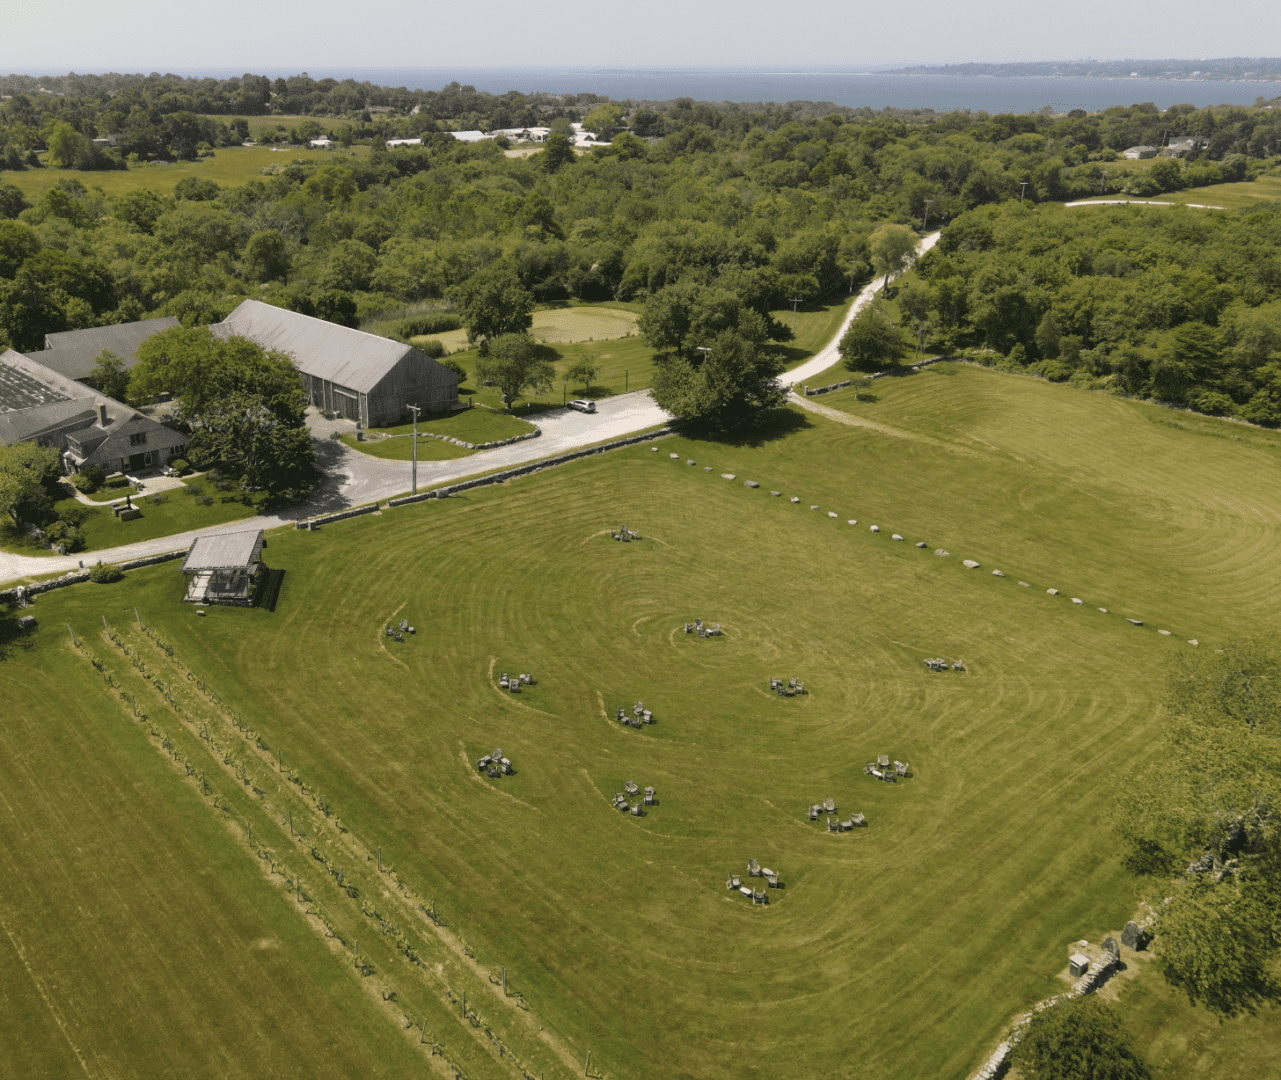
925, 933
1229, 196
176, 512
815, 327
476, 425
557, 326
230, 166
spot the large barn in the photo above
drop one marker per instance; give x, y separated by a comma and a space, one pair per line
74, 353
360, 376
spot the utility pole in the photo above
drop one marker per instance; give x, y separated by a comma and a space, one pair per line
795, 303
1022, 190
926, 223
415, 409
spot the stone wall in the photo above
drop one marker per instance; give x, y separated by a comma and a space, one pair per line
338, 515
525, 470
74, 577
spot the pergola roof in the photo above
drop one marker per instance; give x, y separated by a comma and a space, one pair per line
224, 551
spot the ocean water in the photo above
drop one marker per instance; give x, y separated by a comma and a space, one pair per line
995, 94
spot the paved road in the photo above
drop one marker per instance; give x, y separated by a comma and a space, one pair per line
1139, 202
355, 478
827, 355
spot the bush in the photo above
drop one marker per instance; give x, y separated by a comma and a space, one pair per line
457, 369
84, 483
75, 515
1078, 1038
180, 465
434, 322
105, 573
65, 536
433, 348
1054, 370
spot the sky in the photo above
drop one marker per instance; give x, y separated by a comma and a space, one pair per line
288, 36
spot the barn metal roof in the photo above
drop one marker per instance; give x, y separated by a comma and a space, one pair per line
324, 350
224, 551
73, 353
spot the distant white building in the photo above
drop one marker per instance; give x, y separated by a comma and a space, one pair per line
469, 136
1179, 147
528, 134
1138, 153
393, 143
323, 143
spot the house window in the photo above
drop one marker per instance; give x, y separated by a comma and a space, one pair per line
138, 440
177, 451
148, 458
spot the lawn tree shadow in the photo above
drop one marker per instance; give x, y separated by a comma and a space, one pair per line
11, 637
269, 588
753, 430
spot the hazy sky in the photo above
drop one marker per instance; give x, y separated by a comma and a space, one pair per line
287, 36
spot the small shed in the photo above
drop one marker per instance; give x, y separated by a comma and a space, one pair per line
224, 568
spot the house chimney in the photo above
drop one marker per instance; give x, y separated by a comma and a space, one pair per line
102, 414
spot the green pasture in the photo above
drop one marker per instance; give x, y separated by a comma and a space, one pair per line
902, 950
559, 326
138, 939
475, 425
1229, 196
230, 166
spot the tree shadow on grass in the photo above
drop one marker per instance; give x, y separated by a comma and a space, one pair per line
12, 638
752, 431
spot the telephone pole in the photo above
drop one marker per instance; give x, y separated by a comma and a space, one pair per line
1022, 190
926, 223
415, 409
795, 303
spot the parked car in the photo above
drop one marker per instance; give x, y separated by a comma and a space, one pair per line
582, 405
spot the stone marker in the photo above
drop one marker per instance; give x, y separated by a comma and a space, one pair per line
1077, 600
895, 536
997, 573
707, 468
654, 448
1025, 584
831, 513
1103, 610
1053, 592
1110, 945
1135, 622
674, 457
969, 564
776, 494
795, 499
728, 476
750, 484
941, 553
1164, 633
920, 543
1131, 936
876, 528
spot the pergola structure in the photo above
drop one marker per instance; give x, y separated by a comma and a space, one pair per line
224, 568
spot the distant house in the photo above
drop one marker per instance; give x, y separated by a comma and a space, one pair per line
393, 143
39, 405
1179, 147
1138, 153
469, 136
322, 143
369, 379
528, 134
73, 353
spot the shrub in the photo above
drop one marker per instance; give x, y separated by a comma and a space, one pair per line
66, 536
83, 482
433, 348
1212, 403
434, 322
74, 515
180, 465
105, 573
457, 369
1054, 370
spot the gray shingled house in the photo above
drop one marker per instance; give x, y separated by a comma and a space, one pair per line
73, 353
39, 405
360, 376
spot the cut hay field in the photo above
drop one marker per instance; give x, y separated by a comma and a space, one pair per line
902, 950
230, 166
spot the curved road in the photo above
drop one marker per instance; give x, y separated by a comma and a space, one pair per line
355, 478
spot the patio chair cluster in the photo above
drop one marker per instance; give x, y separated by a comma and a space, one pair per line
703, 631
639, 715
937, 663
787, 689
883, 770
631, 788
398, 634
624, 534
494, 765
834, 824
513, 683
734, 883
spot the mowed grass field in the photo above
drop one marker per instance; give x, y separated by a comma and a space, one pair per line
902, 950
231, 166
1229, 196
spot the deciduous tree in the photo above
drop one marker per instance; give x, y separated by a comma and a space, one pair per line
1078, 1039
872, 342
516, 363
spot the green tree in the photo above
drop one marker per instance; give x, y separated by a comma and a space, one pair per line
892, 247
914, 302
668, 318
65, 145
728, 389
141, 209
12, 201
266, 256
516, 363
18, 242
582, 371
26, 471
494, 303
557, 152
111, 375
1078, 1039
872, 343
1047, 336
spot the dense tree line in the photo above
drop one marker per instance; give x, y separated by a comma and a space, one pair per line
1179, 305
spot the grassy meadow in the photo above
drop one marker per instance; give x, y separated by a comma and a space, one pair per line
1229, 196
475, 425
901, 950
